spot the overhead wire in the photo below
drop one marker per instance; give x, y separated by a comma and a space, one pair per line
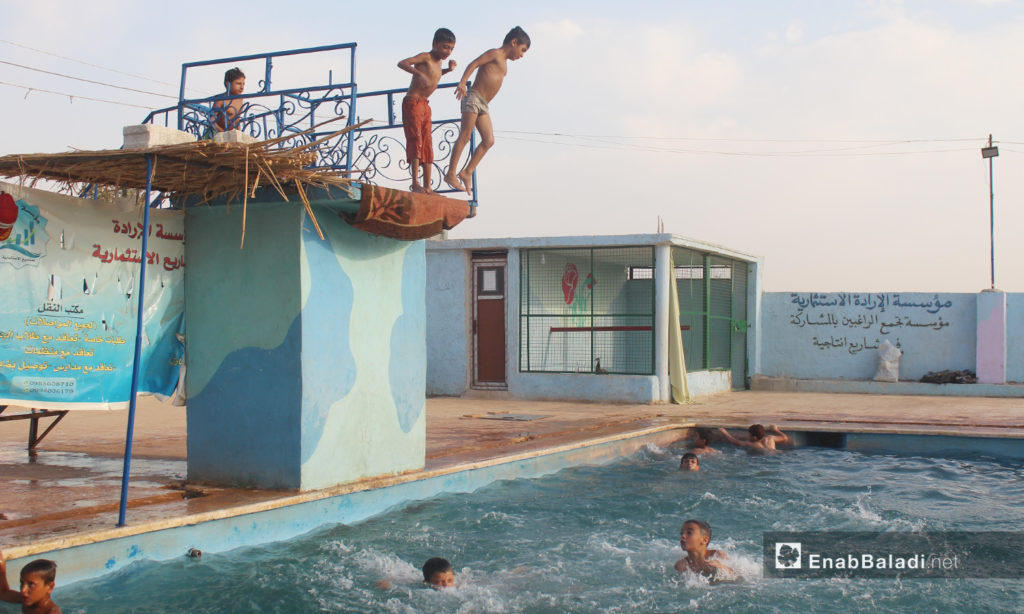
64, 57
72, 97
740, 140
837, 152
57, 74
607, 142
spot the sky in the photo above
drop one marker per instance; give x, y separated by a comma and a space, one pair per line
839, 141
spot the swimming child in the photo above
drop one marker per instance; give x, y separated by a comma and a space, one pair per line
694, 537
701, 441
759, 439
37, 582
226, 109
437, 572
426, 73
493, 65
689, 462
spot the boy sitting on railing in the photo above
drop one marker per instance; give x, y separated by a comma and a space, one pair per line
426, 73
227, 111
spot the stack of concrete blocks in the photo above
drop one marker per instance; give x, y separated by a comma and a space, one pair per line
233, 136
144, 136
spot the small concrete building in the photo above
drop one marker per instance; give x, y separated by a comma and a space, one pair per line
588, 318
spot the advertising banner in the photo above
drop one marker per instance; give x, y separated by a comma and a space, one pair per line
69, 269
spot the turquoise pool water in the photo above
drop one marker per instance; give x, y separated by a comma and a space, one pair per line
604, 539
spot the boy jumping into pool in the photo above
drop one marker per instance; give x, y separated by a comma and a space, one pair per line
759, 439
701, 442
437, 572
38, 579
426, 72
694, 538
493, 65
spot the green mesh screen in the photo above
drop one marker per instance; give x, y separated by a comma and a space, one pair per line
587, 310
712, 311
689, 275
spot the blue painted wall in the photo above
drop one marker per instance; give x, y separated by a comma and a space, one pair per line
448, 290
374, 421
243, 335
306, 356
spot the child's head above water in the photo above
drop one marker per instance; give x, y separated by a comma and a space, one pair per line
702, 438
695, 535
438, 573
689, 462
756, 432
37, 581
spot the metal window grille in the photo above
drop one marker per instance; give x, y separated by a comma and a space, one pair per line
587, 310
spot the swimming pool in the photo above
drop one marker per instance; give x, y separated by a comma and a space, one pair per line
596, 539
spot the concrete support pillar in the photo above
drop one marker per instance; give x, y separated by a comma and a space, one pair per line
663, 278
306, 357
991, 344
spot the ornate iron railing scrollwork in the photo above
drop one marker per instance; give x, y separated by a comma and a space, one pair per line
375, 153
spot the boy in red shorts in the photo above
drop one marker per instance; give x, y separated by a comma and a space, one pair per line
426, 72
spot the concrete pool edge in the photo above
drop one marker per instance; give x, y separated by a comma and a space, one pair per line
93, 553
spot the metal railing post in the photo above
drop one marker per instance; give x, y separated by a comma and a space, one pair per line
136, 366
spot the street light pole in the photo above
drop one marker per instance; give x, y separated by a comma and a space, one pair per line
989, 153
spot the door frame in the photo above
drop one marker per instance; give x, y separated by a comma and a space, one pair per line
487, 260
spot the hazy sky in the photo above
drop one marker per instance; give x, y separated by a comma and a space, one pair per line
839, 140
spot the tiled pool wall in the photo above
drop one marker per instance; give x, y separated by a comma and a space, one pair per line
913, 443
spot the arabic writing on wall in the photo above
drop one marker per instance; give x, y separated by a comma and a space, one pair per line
869, 302
867, 314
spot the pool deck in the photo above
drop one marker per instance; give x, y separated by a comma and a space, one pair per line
72, 486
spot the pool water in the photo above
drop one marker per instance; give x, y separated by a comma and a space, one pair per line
604, 539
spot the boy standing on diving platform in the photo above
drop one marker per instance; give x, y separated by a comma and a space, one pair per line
426, 72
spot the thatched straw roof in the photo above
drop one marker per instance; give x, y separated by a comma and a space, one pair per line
204, 169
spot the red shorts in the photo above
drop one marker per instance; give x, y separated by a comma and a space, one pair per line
416, 121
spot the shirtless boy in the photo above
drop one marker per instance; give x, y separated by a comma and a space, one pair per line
701, 441
226, 108
426, 72
759, 439
694, 538
37, 581
493, 66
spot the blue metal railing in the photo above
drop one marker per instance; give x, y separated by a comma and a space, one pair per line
372, 154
